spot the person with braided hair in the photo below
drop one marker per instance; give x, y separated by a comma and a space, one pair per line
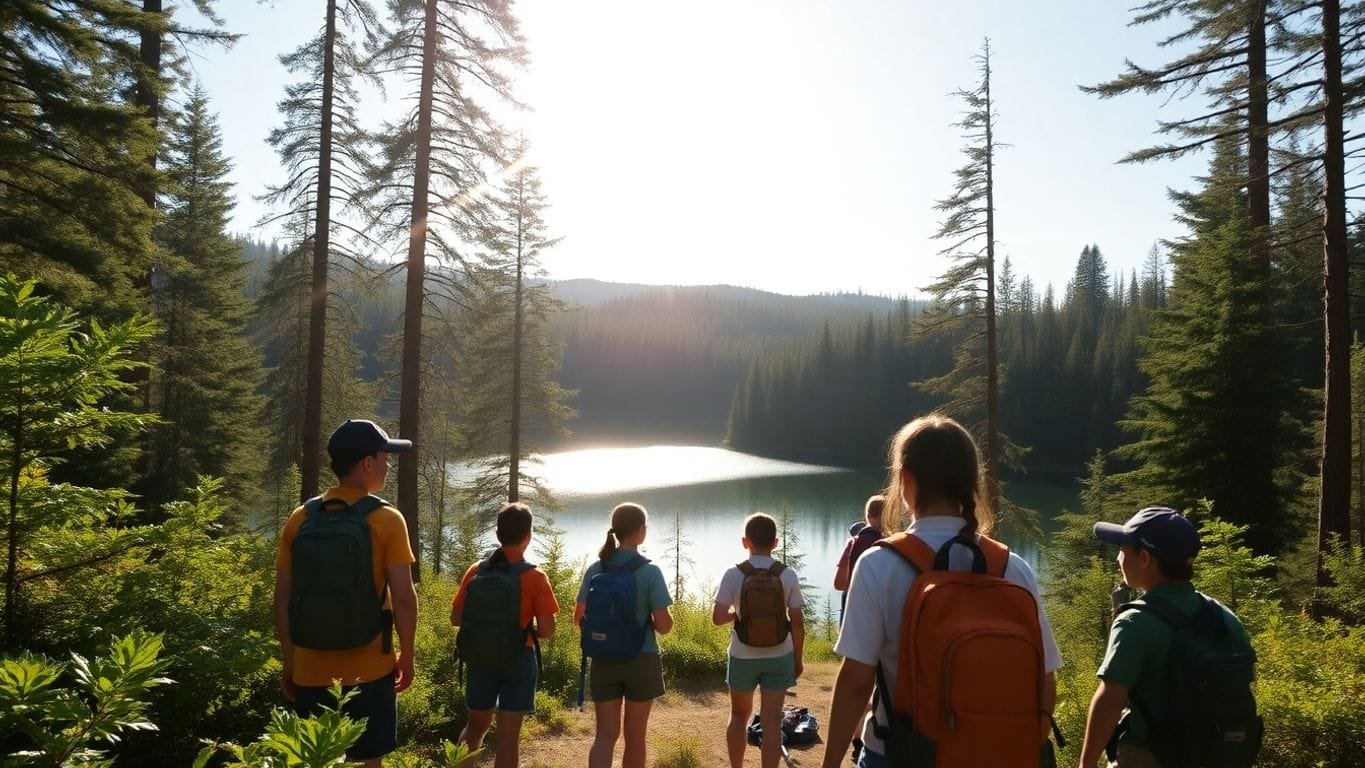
934, 480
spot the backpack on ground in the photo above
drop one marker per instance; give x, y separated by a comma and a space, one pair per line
491, 633
333, 602
969, 685
763, 621
799, 727
609, 630
1209, 716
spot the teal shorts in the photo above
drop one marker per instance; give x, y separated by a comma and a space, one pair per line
774, 674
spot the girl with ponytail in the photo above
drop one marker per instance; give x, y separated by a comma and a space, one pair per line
934, 494
624, 691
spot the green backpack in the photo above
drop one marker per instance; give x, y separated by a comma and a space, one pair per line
334, 605
1209, 719
491, 634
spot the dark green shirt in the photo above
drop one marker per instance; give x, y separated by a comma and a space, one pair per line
1139, 643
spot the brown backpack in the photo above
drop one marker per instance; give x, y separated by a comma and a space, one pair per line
763, 620
969, 684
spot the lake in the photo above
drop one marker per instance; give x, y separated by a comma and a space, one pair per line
713, 490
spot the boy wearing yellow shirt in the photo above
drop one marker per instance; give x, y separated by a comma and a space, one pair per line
359, 452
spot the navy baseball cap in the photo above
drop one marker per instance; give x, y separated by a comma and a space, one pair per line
1161, 530
358, 438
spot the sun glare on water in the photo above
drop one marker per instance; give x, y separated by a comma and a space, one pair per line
598, 471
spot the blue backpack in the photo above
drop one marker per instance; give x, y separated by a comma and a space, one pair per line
609, 630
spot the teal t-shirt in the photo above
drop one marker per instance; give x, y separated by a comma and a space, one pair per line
651, 592
1139, 643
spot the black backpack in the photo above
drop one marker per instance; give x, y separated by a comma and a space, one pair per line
1209, 718
491, 634
334, 604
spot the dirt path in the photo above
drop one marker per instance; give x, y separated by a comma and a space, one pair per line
688, 715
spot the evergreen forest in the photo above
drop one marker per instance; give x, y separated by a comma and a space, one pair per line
168, 383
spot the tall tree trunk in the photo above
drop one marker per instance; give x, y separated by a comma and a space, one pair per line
147, 97
1334, 503
317, 300
992, 374
410, 395
1258, 137
12, 557
514, 446
1360, 481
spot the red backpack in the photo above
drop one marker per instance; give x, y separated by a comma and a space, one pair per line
969, 688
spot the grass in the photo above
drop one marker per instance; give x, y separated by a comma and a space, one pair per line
678, 752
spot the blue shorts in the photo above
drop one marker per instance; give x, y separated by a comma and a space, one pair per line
773, 674
869, 759
511, 690
375, 701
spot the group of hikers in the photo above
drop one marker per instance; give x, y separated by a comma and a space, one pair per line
947, 655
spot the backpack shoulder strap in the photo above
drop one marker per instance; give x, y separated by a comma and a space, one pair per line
522, 567
910, 547
997, 555
1161, 608
747, 568
313, 507
777, 568
367, 504
637, 562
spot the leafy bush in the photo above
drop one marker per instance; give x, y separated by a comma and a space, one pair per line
1346, 597
59, 726
696, 648
683, 752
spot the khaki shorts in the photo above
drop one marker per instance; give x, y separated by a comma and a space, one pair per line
640, 679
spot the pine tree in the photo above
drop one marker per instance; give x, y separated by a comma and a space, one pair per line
1334, 475
1212, 424
509, 361
282, 313
320, 145
964, 296
75, 152
1229, 66
205, 374
432, 163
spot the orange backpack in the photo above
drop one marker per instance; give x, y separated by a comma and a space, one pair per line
969, 688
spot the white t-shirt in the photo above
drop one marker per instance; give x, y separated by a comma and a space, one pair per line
876, 595
727, 593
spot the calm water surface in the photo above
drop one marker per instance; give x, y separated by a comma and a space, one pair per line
712, 490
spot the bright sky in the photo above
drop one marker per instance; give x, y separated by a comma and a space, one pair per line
796, 146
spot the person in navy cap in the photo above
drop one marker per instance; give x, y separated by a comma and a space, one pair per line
336, 627
1157, 551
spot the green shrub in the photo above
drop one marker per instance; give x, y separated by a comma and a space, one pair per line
552, 716
433, 706
696, 649
683, 752
60, 726
1346, 597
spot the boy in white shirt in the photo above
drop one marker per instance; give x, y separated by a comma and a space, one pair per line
763, 599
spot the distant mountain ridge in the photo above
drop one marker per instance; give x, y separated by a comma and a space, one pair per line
589, 292
663, 363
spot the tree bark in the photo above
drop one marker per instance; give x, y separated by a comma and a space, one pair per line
317, 301
514, 446
410, 395
992, 374
1334, 501
1258, 137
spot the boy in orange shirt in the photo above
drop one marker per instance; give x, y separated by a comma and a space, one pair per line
321, 644
499, 676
